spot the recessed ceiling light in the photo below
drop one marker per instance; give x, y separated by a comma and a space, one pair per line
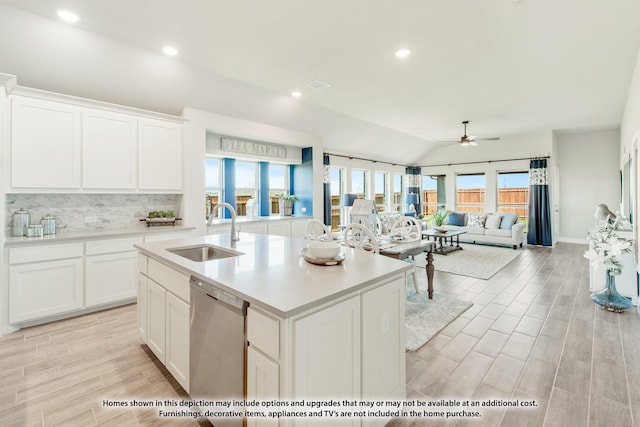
296, 94
403, 53
67, 15
170, 51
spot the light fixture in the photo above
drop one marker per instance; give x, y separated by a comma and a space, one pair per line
170, 50
67, 15
296, 94
403, 53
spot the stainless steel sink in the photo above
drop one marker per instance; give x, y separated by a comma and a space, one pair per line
201, 253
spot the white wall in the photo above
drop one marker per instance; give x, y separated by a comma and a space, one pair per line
199, 123
589, 172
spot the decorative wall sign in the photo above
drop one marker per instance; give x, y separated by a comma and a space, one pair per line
254, 148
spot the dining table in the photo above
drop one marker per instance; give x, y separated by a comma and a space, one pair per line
401, 250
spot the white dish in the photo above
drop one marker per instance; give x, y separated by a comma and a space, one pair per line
323, 250
321, 261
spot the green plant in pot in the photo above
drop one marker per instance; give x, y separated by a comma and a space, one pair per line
439, 217
286, 203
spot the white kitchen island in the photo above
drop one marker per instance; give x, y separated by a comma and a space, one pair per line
313, 332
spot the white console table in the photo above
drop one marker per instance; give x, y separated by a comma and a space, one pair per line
627, 282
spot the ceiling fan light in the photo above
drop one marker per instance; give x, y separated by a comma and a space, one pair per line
464, 142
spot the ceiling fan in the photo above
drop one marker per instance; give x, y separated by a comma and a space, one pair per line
467, 140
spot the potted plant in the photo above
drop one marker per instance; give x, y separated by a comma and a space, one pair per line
286, 204
439, 217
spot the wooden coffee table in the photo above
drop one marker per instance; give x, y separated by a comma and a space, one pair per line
441, 237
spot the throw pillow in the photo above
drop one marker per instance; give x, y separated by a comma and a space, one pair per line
476, 220
456, 219
508, 220
493, 221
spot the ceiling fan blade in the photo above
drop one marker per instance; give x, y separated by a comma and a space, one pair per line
488, 139
473, 142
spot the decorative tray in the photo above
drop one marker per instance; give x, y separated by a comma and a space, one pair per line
321, 261
160, 221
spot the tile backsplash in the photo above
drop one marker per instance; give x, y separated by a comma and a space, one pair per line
72, 210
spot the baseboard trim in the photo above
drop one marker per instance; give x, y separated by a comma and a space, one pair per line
576, 240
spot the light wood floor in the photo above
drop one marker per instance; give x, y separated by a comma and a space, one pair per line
532, 334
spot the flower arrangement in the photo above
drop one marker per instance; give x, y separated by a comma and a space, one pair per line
606, 247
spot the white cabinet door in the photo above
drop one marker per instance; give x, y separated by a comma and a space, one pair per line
109, 150
383, 348
280, 228
159, 155
156, 319
263, 383
327, 354
142, 307
177, 335
42, 289
299, 227
45, 144
111, 277
253, 227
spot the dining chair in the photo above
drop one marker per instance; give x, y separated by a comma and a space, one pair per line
317, 230
409, 230
360, 237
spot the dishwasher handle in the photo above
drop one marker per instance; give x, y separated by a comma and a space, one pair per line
223, 297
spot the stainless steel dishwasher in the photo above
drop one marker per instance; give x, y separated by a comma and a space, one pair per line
218, 346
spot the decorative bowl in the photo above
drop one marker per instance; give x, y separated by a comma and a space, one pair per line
323, 250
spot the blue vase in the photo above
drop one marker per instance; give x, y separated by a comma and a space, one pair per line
609, 298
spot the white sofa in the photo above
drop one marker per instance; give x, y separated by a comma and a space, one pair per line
514, 236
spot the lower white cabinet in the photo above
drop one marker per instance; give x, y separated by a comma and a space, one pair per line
327, 352
45, 280
163, 318
43, 289
279, 228
156, 319
111, 277
253, 227
352, 349
299, 227
263, 379
141, 307
177, 339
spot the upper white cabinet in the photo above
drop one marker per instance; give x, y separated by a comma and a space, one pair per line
45, 144
109, 150
86, 146
159, 155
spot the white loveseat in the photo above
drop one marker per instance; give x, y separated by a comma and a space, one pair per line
487, 229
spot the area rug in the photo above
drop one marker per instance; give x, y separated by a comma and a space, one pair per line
479, 261
424, 317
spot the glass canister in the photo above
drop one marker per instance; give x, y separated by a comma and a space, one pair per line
48, 225
20, 223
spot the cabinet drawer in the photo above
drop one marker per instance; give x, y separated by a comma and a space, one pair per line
172, 280
263, 332
108, 246
45, 252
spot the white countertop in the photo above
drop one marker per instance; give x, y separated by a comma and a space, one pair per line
64, 236
272, 274
245, 219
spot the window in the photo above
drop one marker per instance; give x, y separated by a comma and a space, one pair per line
336, 187
398, 193
513, 194
212, 184
381, 189
277, 186
359, 183
433, 193
470, 193
246, 185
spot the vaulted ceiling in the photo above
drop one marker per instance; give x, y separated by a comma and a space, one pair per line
506, 66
